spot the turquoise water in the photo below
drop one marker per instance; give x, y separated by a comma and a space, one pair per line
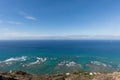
59, 56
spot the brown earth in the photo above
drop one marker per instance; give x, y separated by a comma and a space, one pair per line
19, 75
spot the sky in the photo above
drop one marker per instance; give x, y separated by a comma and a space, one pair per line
59, 19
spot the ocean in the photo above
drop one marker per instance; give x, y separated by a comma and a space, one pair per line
59, 56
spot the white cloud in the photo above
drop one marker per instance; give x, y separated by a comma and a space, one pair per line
30, 18
27, 16
13, 22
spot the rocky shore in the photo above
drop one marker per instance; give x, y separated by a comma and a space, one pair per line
20, 75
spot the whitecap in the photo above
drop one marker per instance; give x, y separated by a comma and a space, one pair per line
23, 58
41, 59
63, 63
12, 60
68, 63
38, 61
71, 64
98, 63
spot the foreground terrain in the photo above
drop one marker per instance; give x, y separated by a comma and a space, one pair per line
19, 75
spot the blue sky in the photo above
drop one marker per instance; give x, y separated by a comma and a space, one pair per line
45, 19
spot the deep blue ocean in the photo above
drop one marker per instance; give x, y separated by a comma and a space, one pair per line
59, 56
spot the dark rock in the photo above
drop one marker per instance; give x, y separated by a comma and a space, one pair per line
20, 73
59, 78
6, 78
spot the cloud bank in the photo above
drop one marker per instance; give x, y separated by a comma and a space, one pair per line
23, 36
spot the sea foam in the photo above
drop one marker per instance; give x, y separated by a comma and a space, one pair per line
99, 63
38, 61
68, 63
23, 58
12, 60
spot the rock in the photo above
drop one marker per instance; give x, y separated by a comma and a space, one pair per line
59, 78
10, 71
98, 73
108, 76
91, 73
67, 74
20, 73
6, 78
94, 73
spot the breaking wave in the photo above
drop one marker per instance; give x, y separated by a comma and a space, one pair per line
38, 61
23, 58
68, 63
98, 63
12, 60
